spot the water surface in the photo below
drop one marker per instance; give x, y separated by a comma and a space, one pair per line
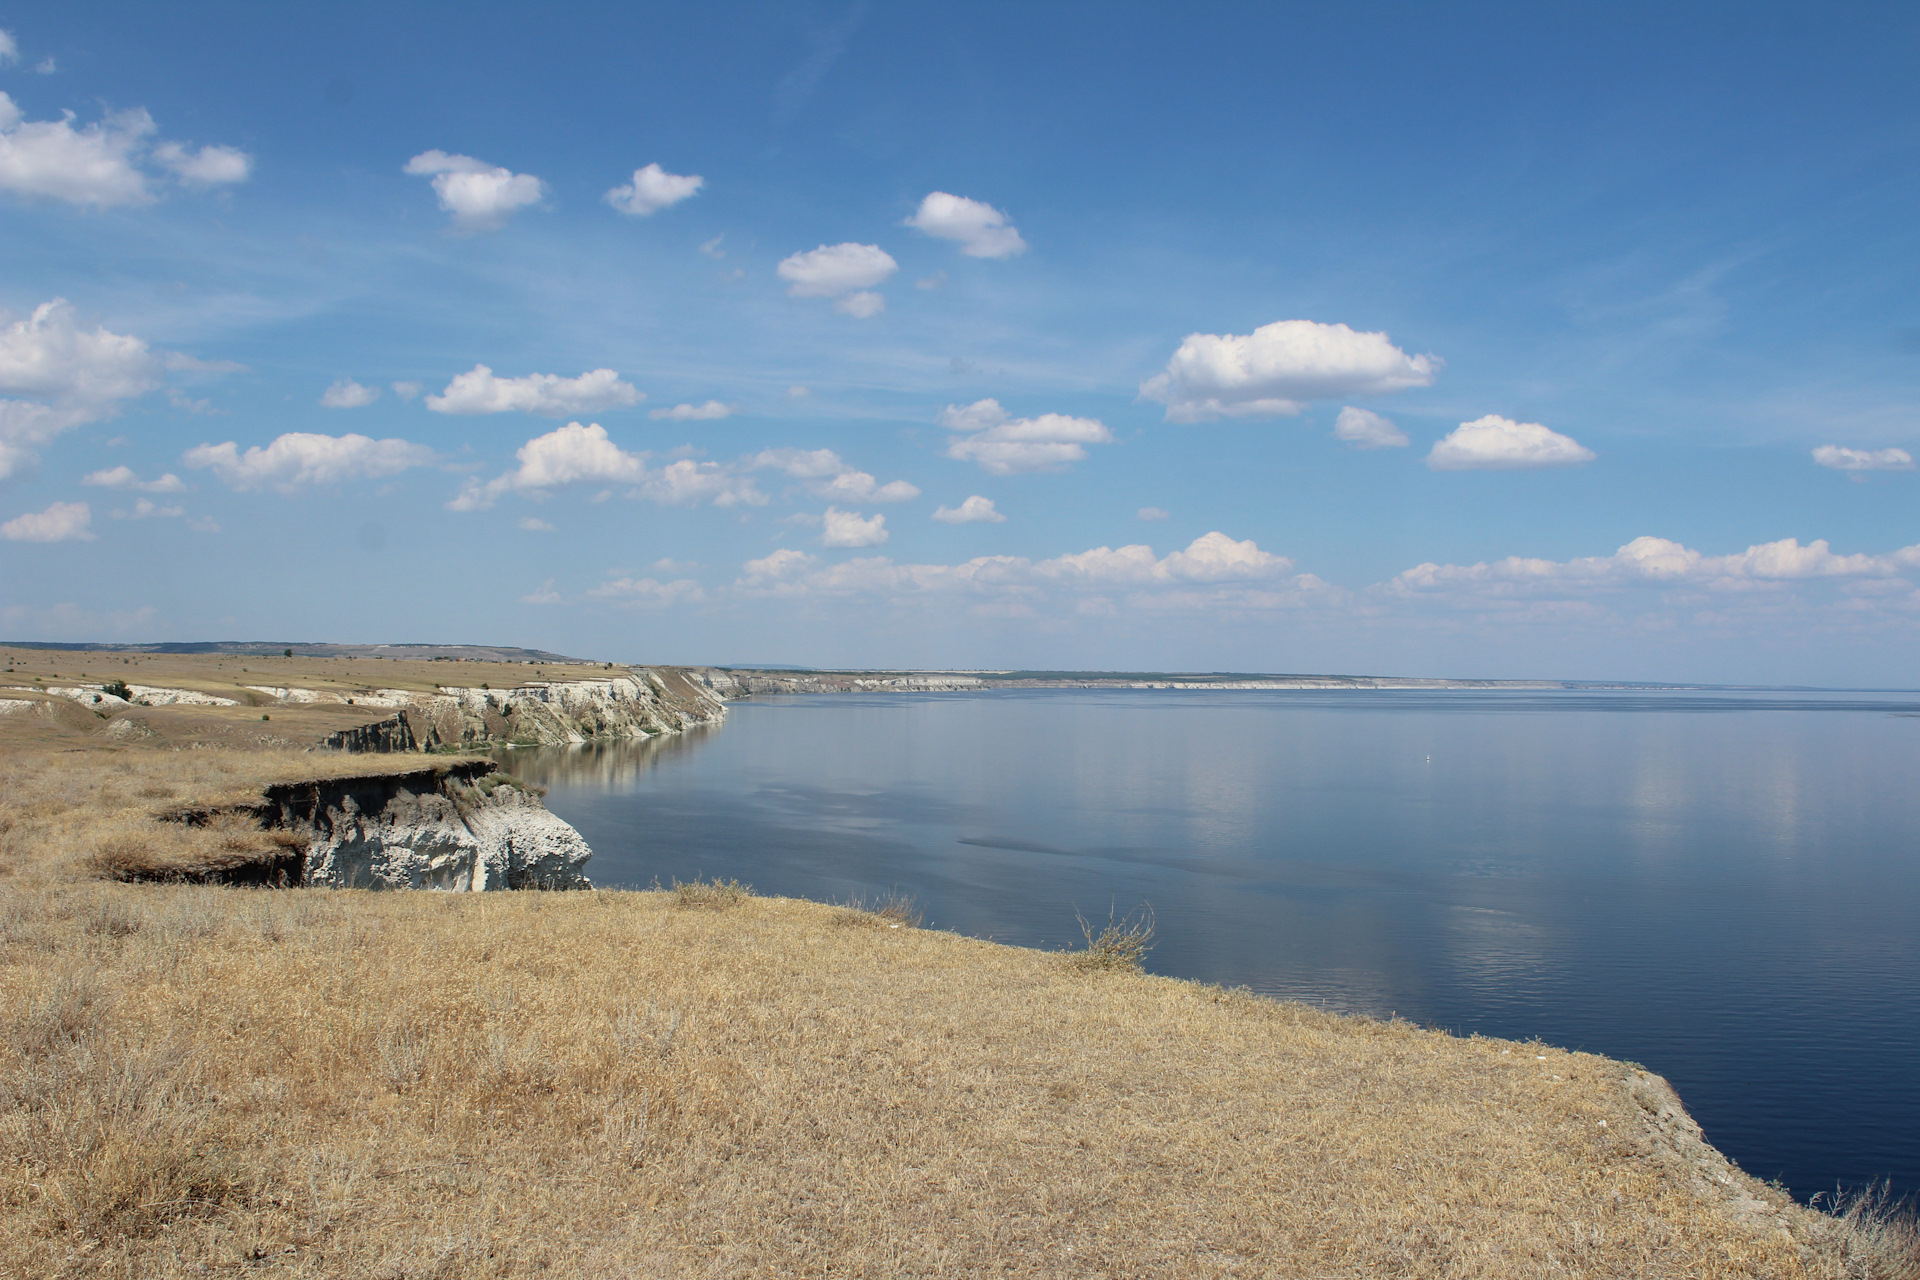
1725, 887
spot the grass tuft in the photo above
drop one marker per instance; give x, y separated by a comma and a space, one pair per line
891, 910
1122, 944
712, 895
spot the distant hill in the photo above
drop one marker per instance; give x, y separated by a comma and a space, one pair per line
309, 649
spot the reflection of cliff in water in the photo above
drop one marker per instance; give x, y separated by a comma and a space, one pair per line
615, 764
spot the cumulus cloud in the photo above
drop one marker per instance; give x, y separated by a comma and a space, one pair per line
124, 477
480, 196
63, 376
1214, 571
546, 394
533, 524
652, 190
844, 271
827, 475
1649, 561
1278, 368
975, 510
848, 529
980, 230
9, 49
711, 411
576, 454
61, 522
1494, 443
1365, 430
103, 164
1150, 513
300, 458
345, 393
407, 390
1004, 445
648, 593
1843, 459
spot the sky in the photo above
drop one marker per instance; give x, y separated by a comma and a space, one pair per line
1511, 341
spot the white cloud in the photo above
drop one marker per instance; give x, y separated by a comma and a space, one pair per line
975, 510
1277, 368
100, 164
712, 247
1213, 572
576, 454
533, 524
9, 49
1150, 513
1003, 445
781, 566
1648, 561
863, 305
345, 393
1843, 459
711, 411
831, 270
125, 478
480, 196
797, 392
1365, 430
61, 522
72, 375
301, 458
934, 281
649, 593
566, 455
1494, 443
652, 190
826, 475
980, 230
687, 482
146, 509
546, 394
207, 167
847, 529
407, 390
545, 595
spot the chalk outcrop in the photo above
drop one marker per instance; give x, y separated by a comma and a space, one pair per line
458, 827
638, 704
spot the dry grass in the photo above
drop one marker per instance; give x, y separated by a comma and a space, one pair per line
709, 895
201, 1081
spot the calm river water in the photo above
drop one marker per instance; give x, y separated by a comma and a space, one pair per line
1722, 886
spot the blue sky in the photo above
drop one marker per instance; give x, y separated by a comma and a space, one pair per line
1018, 335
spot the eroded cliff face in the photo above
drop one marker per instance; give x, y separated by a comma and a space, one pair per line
640, 704
458, 827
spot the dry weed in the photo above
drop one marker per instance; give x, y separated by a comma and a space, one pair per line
1122, 943
713, 895
891, 910
1880, 1233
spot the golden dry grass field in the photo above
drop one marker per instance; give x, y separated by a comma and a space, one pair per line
204, 1081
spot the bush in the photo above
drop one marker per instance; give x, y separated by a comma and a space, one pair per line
1122, 944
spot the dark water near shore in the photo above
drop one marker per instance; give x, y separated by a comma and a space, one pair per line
1724, 887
